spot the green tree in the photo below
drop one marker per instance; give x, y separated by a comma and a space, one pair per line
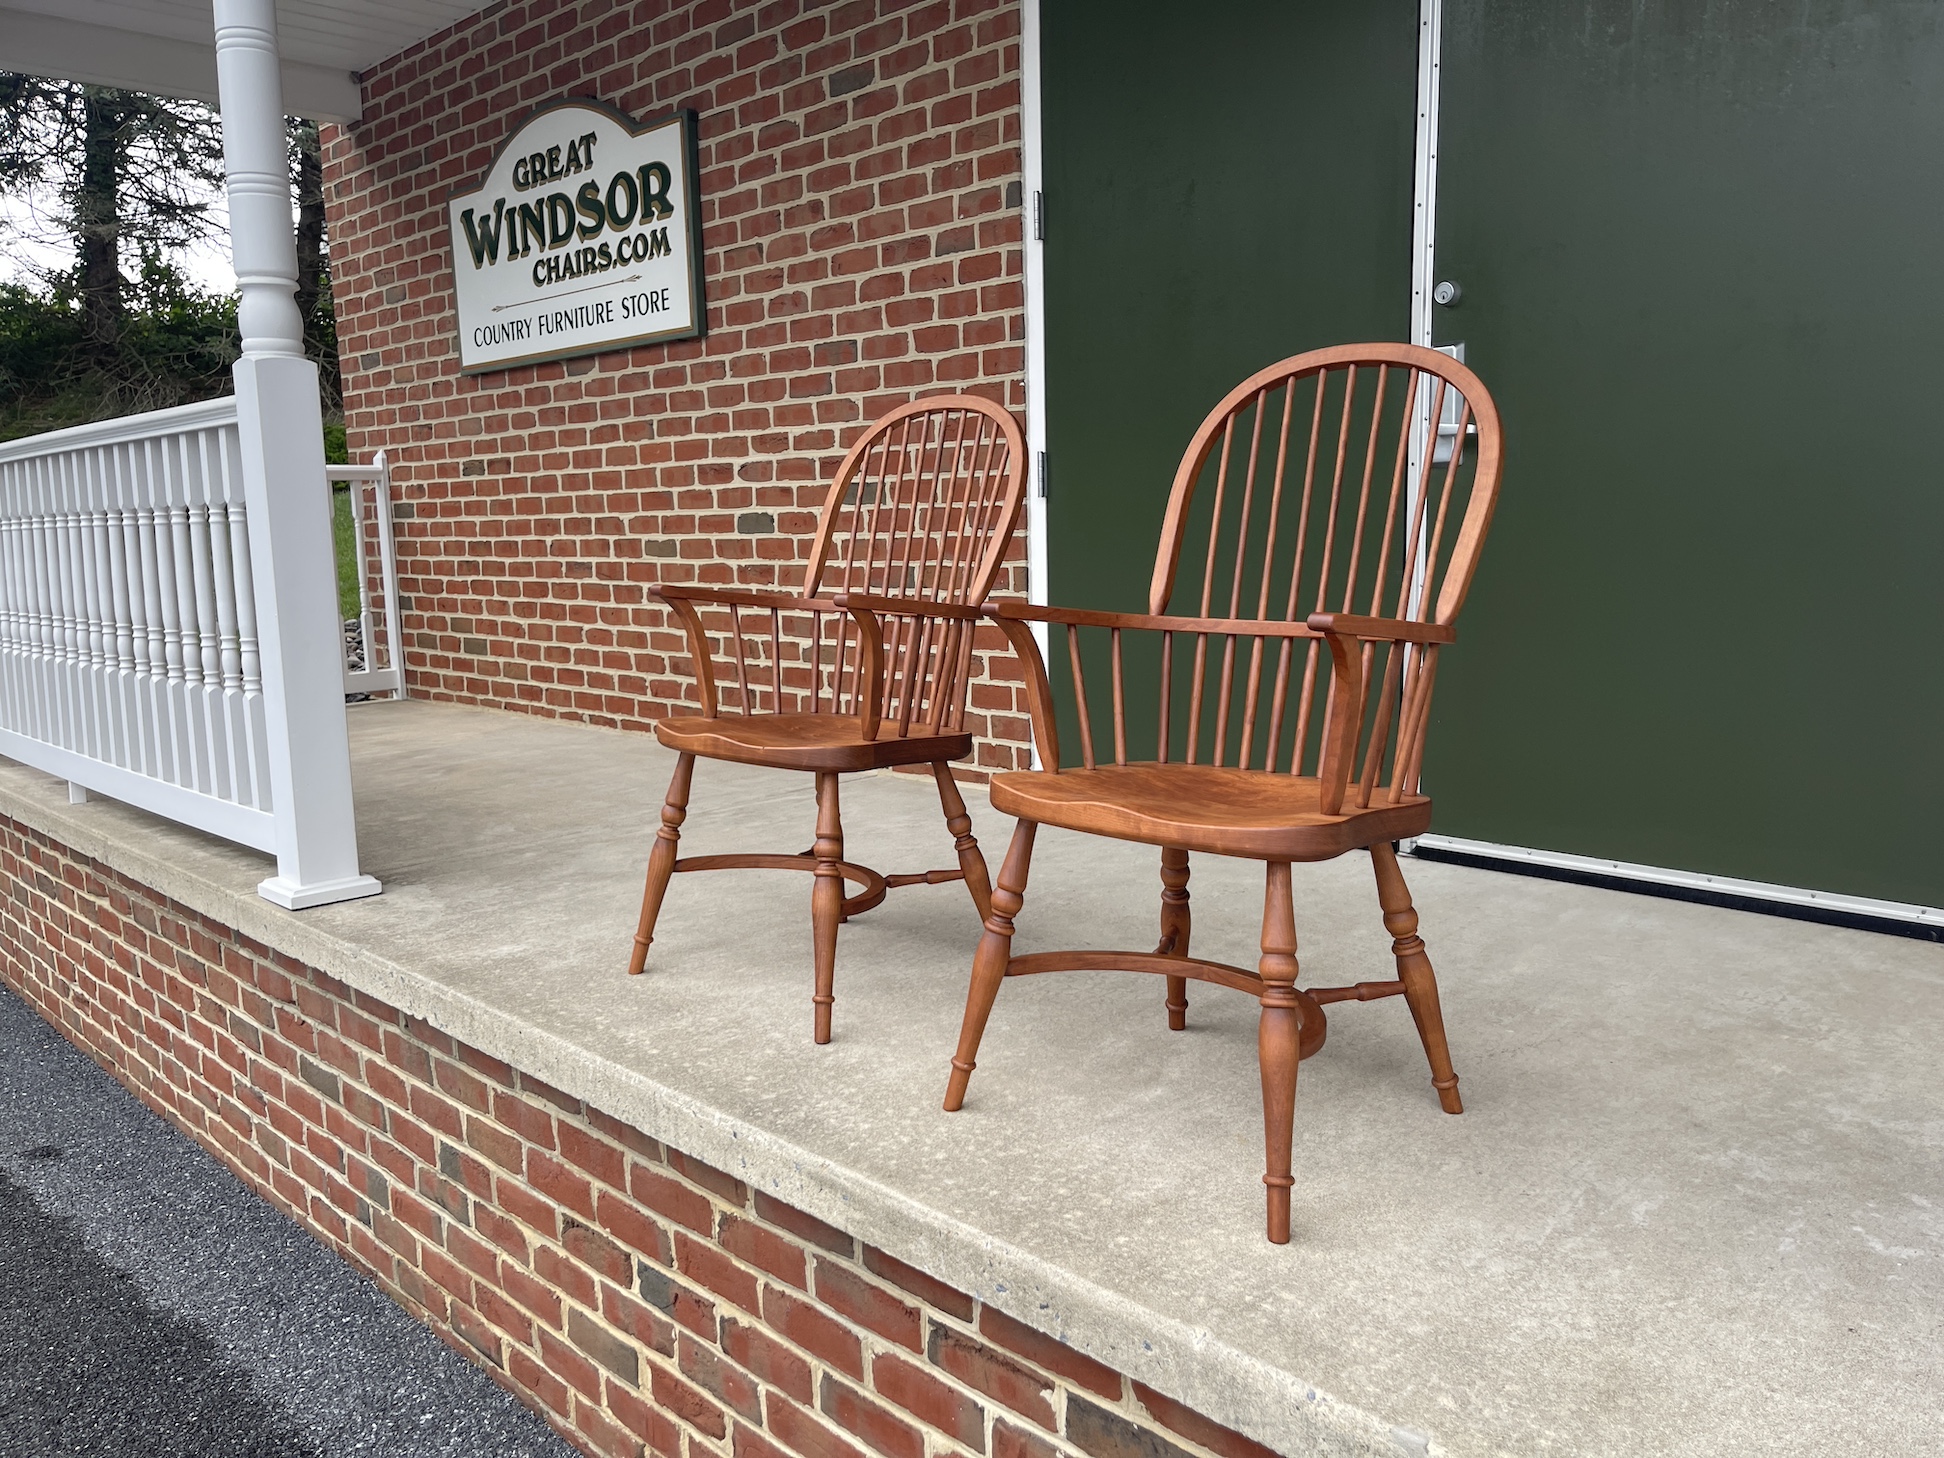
134, 178
126, 168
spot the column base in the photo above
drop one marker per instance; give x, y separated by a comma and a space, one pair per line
293, 897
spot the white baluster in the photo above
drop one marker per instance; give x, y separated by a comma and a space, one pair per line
249, 655
208, 629
155, 591
101, 611
218, 460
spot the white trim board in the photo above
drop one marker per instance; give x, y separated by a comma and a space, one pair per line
1900, 918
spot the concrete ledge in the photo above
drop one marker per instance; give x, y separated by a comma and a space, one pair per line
1672, 1220
1188, 1363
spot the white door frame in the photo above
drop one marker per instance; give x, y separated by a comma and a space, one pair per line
1032, 232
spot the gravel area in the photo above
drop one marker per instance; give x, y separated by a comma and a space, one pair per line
151, 1303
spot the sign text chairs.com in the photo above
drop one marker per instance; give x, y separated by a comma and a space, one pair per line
1325, 522
869, 666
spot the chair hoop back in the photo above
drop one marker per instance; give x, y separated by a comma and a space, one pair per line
1355, 480
924, 505
1347, 414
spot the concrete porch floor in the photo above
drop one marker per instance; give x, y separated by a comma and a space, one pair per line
1695, 1205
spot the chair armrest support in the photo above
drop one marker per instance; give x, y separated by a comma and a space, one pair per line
1347, 634
698, 637
1345, 717
1039, 693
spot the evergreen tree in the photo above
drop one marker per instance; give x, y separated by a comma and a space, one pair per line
125, 167
135, 179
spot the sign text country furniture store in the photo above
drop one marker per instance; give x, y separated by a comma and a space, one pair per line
854, 220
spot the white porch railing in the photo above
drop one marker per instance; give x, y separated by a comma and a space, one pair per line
375, 552
132, 590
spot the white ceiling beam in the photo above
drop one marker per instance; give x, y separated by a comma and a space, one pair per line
45, 45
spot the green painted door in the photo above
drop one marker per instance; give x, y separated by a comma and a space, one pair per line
1225, 185
1698, 247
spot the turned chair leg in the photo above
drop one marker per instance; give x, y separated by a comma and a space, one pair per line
989, 963
661, 861
826, 900
970, 858
1278, 1044
1414, 970
1175, 921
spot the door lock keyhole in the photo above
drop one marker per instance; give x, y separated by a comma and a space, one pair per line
1447, 293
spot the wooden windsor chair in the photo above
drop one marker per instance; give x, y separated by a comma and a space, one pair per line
1283, 673
868, 667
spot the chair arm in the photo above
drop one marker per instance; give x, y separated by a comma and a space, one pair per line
1382, 630
1153, 622
682, 599
742, 597
905, 607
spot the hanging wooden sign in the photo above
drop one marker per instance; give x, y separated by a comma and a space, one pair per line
585, 235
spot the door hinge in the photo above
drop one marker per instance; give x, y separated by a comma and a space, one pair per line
1040, 467
1039, 216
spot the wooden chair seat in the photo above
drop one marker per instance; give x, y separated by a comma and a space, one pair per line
832, 743
1222, 811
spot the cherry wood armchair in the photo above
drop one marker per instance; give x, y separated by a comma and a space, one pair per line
1328, 516
867, 667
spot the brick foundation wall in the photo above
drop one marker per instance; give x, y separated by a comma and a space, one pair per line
641, 1301
862, 238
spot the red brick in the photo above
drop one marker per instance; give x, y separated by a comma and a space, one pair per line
633, 1229
600, 1158
639, 1321
872, 1307
820, 1335
570, 1366
646, 1421
922, 1395
857, 1414
763, 1357
762, 1248
805, 1227
932, 1292
925, 147
670, 1197
730, 1385
709, 1267
595, 1251
724, 1187
989, 1370
689, 1403
1012, 1442
1100, 1433
1179, 1418
801, 1433
564, 1186
1052, 1354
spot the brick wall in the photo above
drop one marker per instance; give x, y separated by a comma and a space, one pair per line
641, 1301
862, 227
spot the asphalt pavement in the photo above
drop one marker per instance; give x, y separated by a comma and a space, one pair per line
151, 1303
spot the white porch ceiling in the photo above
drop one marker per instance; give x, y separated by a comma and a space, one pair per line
168, 46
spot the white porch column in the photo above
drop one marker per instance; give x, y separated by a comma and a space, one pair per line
282, 432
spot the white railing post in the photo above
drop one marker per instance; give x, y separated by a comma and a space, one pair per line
280, 429
381, 673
